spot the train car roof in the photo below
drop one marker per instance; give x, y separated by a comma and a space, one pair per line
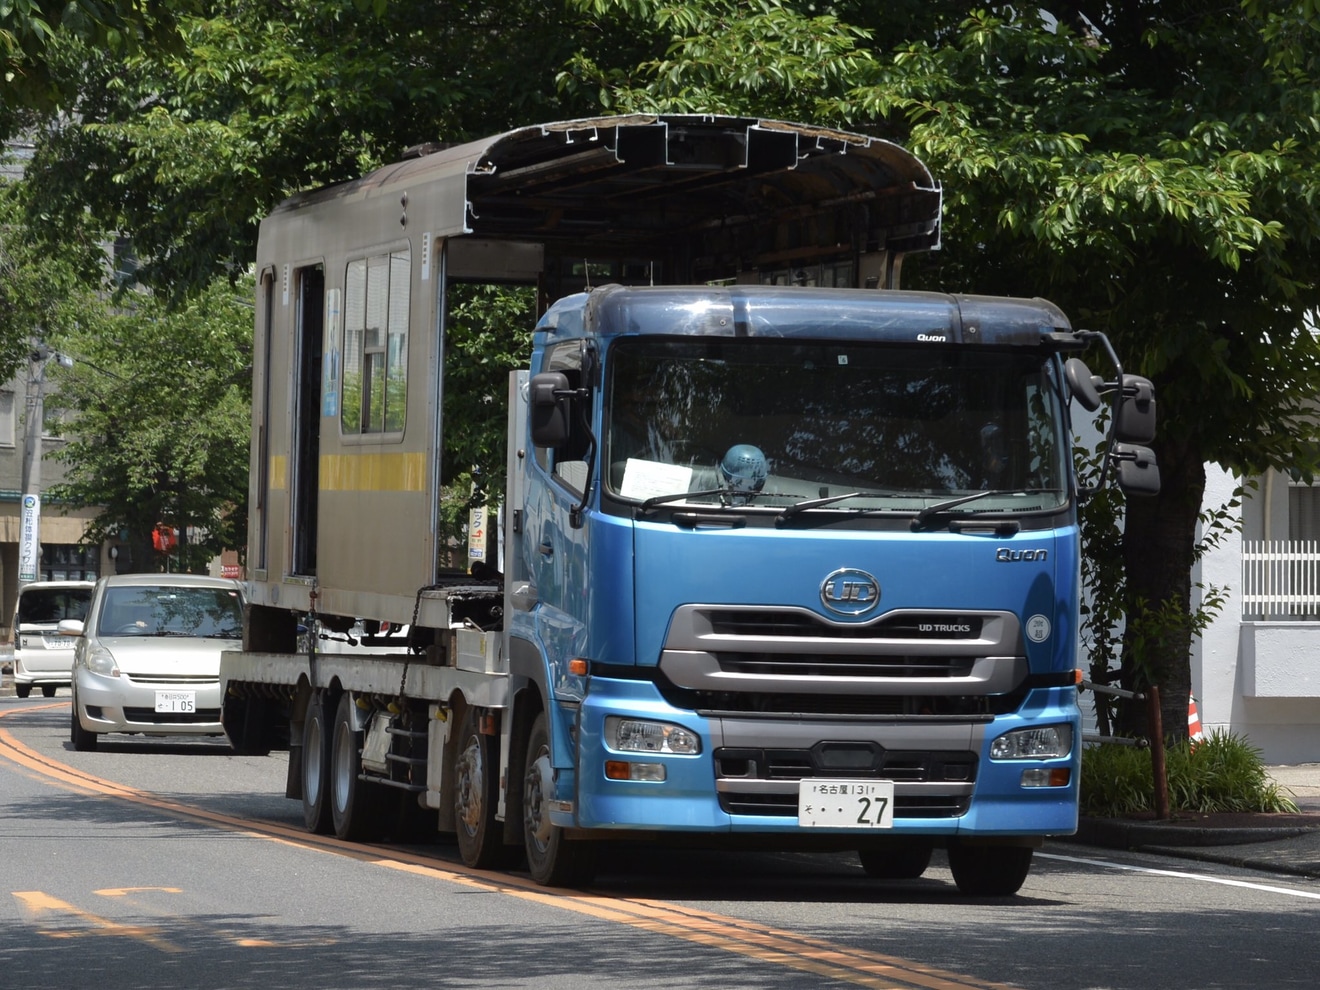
719, 184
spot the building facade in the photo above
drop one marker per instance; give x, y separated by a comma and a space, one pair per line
1256, 668
63, 555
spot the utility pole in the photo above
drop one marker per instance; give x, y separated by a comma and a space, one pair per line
29, 545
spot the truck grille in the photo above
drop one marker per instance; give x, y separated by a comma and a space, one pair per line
858, 760
791, 661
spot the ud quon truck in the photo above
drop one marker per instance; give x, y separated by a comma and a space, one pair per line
788, 557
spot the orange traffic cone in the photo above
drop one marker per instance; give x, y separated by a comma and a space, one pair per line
1195, 734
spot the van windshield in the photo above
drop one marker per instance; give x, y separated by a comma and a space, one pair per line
47, 606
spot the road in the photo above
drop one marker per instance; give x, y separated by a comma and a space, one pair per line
168, 863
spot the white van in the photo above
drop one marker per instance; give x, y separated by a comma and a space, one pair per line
42, 656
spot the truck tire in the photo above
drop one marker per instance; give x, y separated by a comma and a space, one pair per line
316, 738
83, 741
352, 810
901, 863
476, 796
552, 860
989, 871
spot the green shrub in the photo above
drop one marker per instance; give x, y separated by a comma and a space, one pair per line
1223, 773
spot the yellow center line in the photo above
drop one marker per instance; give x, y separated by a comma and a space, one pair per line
803, 953
37, 903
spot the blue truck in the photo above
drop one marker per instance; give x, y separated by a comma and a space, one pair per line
788, 556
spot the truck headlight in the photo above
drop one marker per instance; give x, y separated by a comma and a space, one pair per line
1046, 743
634, 735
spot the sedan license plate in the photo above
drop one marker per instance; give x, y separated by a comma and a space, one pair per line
176, 702
826, 803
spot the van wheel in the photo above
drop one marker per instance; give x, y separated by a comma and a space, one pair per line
476, 796
316, 768
989, 871
22, 690
352, 809
553, 860
48, 690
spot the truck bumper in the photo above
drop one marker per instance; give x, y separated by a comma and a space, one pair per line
745, 778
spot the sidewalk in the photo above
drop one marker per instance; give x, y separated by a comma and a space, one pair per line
1287, 844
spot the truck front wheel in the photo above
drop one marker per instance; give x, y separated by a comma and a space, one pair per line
989, 871
552, 859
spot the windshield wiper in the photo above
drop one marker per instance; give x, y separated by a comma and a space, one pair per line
722, 492
939, 508
816, 503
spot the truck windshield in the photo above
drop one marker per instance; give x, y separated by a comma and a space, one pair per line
773, 423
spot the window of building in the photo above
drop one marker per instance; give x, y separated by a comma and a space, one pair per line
375, 384
69, 562
6, 418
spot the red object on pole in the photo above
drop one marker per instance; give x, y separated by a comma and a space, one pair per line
164, 538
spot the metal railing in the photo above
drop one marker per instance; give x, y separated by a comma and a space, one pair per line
1281, 579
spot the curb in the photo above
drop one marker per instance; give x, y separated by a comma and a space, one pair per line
1110, 833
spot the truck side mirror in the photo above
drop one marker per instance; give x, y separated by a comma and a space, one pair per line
1136, 410
1138, 473
548, 398
1083, 385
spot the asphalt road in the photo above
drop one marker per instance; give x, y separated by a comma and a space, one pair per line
161, 863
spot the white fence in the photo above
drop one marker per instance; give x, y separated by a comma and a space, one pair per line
1280, 579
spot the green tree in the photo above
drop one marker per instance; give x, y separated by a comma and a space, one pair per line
186, 149
1151, 167
161, 415
39, 282
29, 29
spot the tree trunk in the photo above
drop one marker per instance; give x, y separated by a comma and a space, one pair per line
1159, 538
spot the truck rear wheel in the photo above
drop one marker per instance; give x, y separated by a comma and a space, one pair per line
901, 863
316, 739
476, 796
351, 808
551, 859
989, 871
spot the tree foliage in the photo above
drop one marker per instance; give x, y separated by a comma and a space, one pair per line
161, 416
29, 29
40, 282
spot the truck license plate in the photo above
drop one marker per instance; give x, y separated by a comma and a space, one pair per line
846, 803
176, 702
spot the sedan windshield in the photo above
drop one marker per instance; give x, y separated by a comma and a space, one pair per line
162, 610
849, 426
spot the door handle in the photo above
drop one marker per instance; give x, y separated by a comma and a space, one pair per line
546, 549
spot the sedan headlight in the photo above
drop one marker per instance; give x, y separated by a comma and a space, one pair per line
102, 661
1046, 743
634, 735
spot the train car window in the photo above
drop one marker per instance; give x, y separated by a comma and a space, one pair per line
375, 381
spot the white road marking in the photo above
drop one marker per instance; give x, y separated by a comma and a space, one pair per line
1179, 874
